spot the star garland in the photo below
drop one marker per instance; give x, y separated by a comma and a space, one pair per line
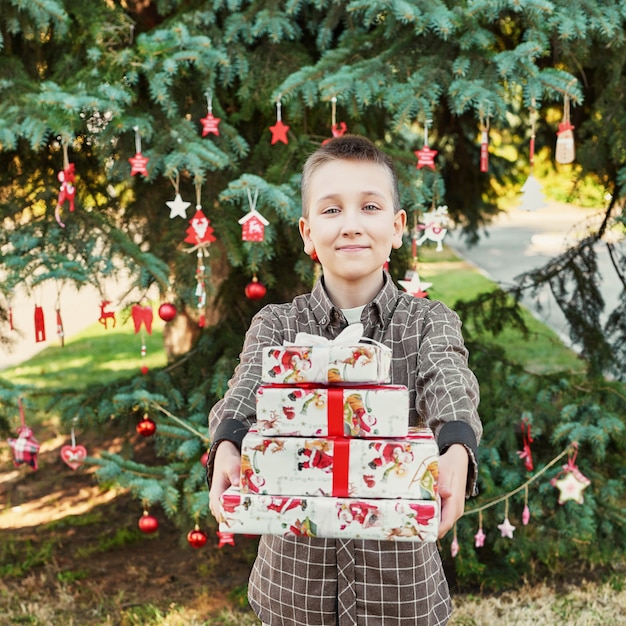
570, 482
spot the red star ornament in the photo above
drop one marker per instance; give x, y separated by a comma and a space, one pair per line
210, 124
425, 157
279, 132
200, 231
138, 164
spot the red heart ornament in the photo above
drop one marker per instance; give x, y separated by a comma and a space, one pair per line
73, 455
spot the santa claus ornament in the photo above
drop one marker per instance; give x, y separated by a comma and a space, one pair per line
67, 191
25, 447
200, 235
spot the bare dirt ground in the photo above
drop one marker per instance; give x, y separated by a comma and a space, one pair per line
71, 553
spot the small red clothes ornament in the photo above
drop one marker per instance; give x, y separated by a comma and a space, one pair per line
255, 290
196, 537
167, 312
146, 427
25, 447
142, 315
40, 325
148, 523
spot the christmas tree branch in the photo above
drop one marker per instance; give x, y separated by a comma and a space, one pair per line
181, 422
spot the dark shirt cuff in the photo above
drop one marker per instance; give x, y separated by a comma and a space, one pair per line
462, 433
229, 430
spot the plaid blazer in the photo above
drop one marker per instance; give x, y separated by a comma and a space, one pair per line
327, 582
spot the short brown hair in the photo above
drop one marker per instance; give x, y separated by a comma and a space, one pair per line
352, 148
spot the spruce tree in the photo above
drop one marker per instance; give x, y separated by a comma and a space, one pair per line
90, 80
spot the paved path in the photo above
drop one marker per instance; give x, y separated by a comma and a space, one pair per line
520, 241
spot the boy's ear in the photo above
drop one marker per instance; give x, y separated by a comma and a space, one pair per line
305, 233
399, 222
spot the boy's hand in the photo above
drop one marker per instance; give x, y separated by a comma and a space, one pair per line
225, 473
453, 466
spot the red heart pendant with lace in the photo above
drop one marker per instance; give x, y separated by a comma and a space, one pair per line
73, 455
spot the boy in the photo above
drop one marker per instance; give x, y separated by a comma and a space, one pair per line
351, 219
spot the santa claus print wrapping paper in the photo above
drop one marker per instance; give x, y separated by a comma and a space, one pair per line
313, 359
320, 411
338, 466
319, 516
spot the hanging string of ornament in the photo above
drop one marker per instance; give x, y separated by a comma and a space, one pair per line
337, 129
569, 481
279, 130
200, 235
67, 191
138, 162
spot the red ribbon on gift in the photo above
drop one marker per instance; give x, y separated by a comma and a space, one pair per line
335, 412
341, 466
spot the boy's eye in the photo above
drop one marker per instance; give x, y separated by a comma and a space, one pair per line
371, 207
330, 209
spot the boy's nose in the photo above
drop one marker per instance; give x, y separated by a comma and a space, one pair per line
351, 223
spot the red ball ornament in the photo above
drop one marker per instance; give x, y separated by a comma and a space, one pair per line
255, 290
144, 369
204, 459
148, 523
146, 426
167, 312
196, 538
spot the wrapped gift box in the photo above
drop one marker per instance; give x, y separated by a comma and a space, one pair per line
312, 411
319, 516
326, 364
339, 466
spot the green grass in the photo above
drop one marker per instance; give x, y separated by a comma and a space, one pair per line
541, 351
95, 355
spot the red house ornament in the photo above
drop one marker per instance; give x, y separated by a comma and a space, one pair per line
253, 226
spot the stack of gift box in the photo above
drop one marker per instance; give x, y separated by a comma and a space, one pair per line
331, 454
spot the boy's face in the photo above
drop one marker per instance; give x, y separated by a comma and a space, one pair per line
350, 222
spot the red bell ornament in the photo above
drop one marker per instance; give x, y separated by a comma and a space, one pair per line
148, 523
146, 426
196, 537
167, 312
255, 290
